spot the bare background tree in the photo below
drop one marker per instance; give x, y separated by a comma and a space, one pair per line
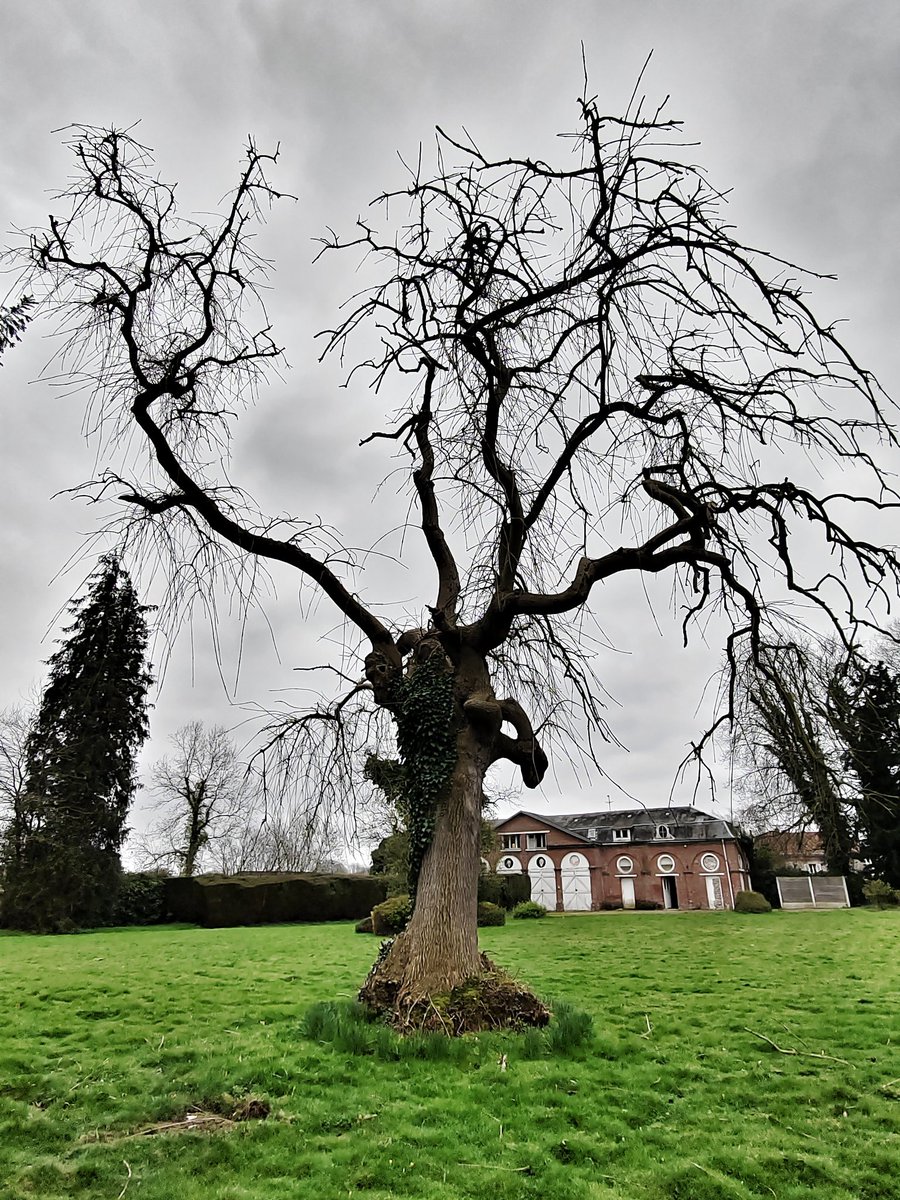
602, 382
214, 813
199, 798
285, 837
16, 723
793, 773
817, 738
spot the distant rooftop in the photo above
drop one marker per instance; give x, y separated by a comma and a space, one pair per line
684, 824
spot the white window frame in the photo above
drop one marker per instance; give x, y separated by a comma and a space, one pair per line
666, 870
536, 840
709, 863
623, 870
664, 833
621, 835
510, 841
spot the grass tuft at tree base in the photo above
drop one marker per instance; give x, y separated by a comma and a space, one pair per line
353, 1028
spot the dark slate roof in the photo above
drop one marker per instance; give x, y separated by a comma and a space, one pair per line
685, 824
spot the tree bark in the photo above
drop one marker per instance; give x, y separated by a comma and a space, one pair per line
439, 948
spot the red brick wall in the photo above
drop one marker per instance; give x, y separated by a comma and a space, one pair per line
606, 883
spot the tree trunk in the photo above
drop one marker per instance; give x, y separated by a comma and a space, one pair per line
439, 948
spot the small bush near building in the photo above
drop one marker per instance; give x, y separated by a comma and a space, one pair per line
491, 914
528, 910
141, 900
391, 916
751, 902
879, 893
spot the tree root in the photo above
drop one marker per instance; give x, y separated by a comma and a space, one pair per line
489, 1000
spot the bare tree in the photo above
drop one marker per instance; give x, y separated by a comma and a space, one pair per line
784, 736
201, 798
16, 724
603, 381
283, 837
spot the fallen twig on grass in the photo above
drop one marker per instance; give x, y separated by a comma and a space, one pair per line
127, 1181
495, 1167
797, 1053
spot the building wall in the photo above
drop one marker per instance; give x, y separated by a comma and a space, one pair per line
610, 868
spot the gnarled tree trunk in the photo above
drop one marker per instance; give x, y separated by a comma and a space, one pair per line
439, 948
420, 980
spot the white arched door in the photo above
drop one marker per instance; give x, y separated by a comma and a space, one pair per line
509, 865
576, 883
542, 874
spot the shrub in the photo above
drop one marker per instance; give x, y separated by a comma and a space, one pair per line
391, 916
491, 914
365, 925
141, 900
528, 910
879, 893
751, 902
647, 905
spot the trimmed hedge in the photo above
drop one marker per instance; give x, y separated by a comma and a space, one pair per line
270, 898
528, 910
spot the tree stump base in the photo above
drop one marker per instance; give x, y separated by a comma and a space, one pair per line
489, 1000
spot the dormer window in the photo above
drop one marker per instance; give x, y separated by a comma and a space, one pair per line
621, 835
592, 833
510, 841
536, 841
664, 832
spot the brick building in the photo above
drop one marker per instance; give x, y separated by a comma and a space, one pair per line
663, 857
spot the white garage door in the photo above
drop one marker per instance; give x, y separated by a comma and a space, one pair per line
576, 883
542, 874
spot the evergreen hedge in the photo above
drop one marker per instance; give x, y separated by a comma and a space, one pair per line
269, 898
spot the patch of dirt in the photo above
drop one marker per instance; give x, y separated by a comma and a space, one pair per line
195, 1120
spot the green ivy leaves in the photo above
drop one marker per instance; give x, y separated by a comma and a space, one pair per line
426, 738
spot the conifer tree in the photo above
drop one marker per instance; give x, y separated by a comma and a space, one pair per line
81, 754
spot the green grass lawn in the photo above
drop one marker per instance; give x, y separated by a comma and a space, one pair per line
104, 1034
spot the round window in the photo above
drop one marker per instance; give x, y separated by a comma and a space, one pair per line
666, 864
540, 862
709, 862
625, 865
509, 864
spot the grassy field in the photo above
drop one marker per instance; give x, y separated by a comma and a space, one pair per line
681, 1095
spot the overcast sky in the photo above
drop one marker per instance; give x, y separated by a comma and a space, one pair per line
796, 104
